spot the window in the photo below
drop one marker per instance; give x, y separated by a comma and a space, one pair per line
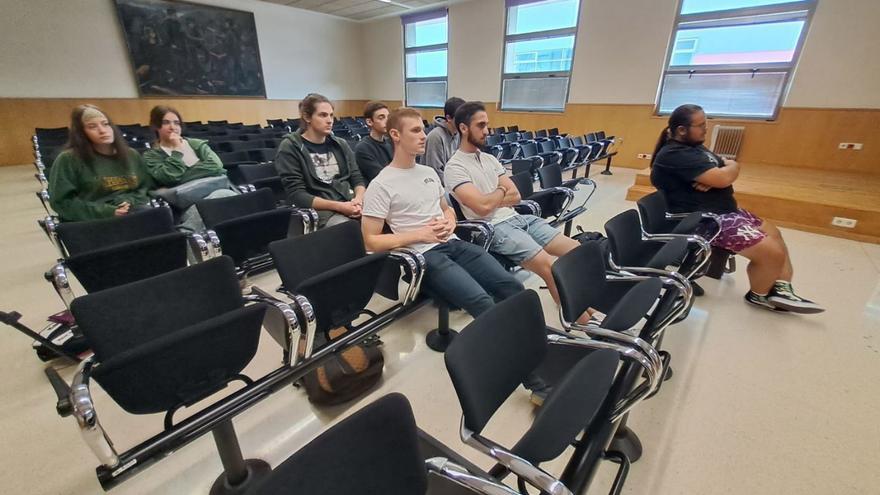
538, 54
425, 41
734, 57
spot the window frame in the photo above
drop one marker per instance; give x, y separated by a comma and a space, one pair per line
411, 19
535, 35
796, 10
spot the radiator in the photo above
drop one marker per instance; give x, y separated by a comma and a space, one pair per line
727, 139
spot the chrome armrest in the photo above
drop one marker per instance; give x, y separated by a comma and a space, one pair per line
705, 249
309, 218
678, 284
457, 474
213, 243
653, 370
292, 334
415, 265
83, 409
50, 227
199, 247
569, 197
305, 308
41, 178
533, 206
246, 188
599, 333
486, 229
527, 471
57, 275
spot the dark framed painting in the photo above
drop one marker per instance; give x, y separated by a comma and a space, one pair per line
187, 49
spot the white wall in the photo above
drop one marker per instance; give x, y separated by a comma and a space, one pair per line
383, 59
75, 48
621, 47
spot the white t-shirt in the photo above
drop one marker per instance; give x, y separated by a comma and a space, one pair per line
482, 170
406, 198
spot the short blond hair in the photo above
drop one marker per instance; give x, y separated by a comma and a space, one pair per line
395, 118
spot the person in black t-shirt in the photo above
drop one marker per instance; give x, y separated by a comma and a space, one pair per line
694, 179
318, 170
373, 152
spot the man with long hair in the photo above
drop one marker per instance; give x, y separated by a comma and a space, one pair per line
694, 179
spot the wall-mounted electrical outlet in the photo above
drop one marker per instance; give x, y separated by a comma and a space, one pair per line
857, 146
848, 223
644, 156
849, 146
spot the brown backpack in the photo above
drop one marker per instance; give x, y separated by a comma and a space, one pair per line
346, 375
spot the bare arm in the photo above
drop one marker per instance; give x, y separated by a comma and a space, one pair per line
482, 204
512, 197
720, 177
376, 241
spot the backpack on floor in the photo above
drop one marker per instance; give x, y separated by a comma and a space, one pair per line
346, 375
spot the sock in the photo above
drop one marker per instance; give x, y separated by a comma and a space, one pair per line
758, 294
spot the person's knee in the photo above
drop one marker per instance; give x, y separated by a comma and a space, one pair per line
770, 251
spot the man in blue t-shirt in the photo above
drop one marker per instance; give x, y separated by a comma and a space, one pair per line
694, 179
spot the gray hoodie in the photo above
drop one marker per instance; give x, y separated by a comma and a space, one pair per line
440, 146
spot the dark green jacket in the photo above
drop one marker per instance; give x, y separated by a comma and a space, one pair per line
80, 191
169, 170
297, 172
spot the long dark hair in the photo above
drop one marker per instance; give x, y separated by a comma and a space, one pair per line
157, 114
79, 143
308, 106
681, 116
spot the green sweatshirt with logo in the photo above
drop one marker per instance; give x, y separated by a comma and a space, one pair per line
81, 191
170, 170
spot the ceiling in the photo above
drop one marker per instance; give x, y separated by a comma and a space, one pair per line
360, 10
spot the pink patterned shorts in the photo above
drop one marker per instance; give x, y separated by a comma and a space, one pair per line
739, 230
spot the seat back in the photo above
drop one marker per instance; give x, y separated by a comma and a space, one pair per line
580, 278
126, 262
553, 131
214, 211
252, 172
550, 176
186, 336
494, 139
511, 137
375, 450
262, 155
547, 146
81, 237
529, 149
513, 128
652, 209
591, 137
331, 268
523, 182
625, 238
600, 135
541, 133
494, 354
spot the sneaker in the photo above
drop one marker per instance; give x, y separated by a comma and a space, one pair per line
761, 301
782, 296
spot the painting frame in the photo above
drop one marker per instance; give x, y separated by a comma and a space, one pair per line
180, 49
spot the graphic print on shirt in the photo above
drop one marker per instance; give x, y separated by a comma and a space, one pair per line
120, 183
326, 167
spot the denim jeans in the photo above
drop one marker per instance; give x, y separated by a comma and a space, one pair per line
467, 277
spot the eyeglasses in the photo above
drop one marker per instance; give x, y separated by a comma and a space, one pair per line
171, 122
704, 125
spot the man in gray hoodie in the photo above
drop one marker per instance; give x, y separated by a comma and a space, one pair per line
318, 170
443, 140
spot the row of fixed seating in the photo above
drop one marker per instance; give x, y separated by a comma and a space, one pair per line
589, 389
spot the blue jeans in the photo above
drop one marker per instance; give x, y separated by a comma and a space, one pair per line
467, 277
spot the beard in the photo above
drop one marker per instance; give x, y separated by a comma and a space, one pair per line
476, 142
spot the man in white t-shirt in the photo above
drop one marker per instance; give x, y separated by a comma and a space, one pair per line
410, 199
478, 182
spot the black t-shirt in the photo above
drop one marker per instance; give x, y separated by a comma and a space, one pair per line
675, 168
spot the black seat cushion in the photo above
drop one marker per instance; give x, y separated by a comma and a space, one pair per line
80, 237
375, 451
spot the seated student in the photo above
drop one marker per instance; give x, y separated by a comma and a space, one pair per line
443, 139
318, 169
374, 151
175, 160
478, 182
98, 175
695, 179
409, 198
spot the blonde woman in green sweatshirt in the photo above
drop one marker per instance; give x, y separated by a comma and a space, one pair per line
98, 175
187, 168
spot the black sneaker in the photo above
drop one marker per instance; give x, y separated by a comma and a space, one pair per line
782, 296
761, 301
